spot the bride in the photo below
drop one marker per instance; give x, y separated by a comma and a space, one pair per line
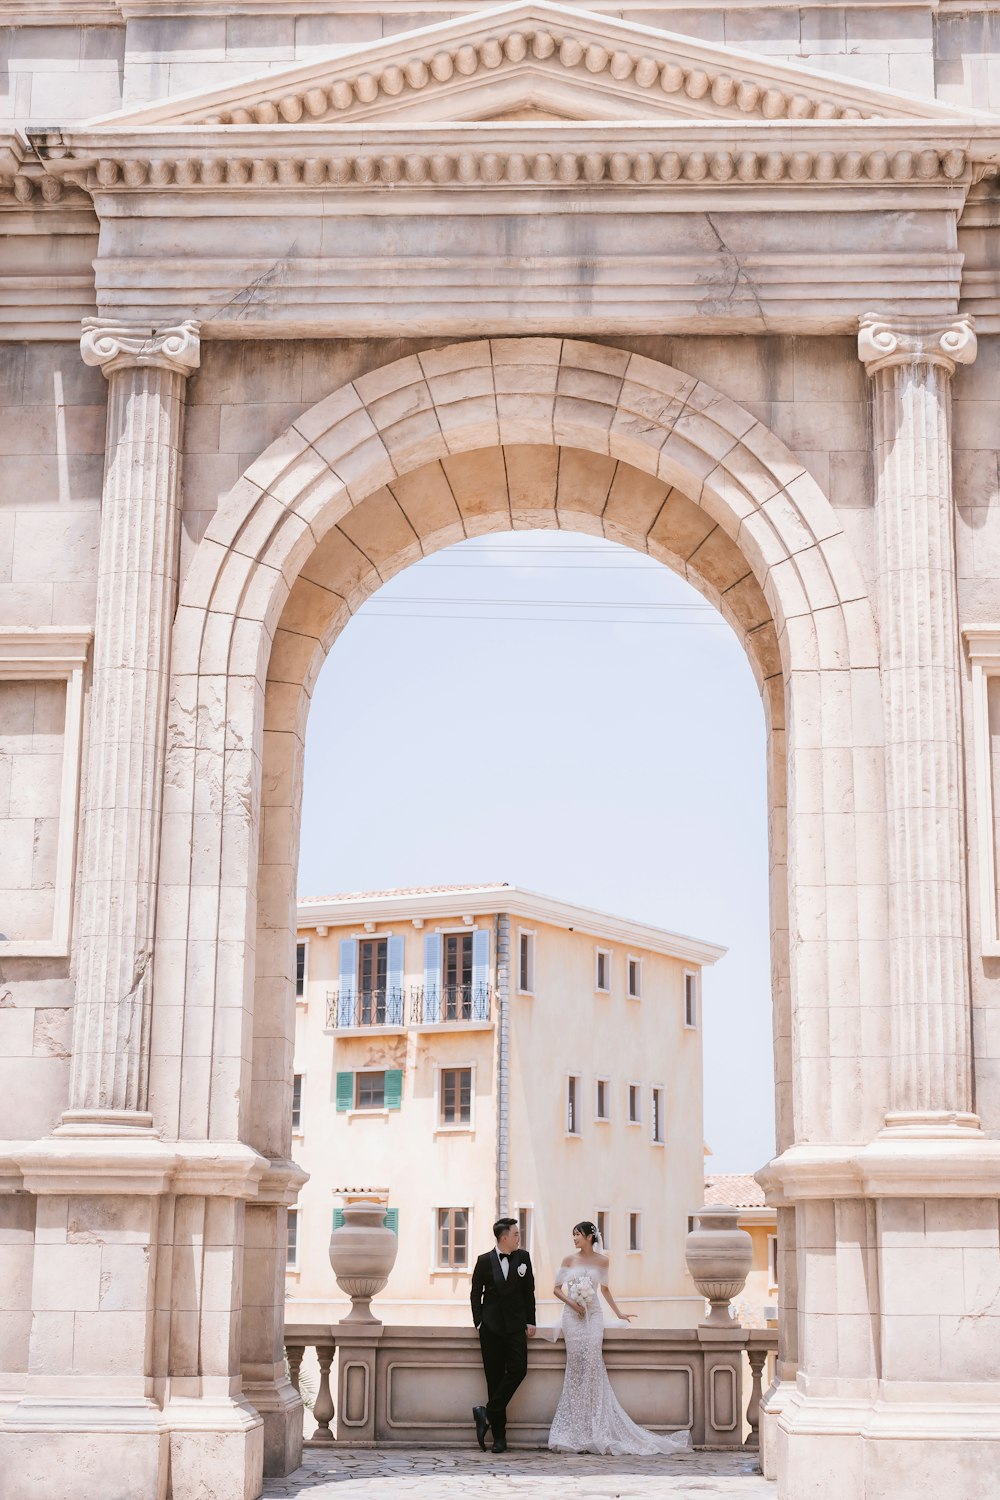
589, 1418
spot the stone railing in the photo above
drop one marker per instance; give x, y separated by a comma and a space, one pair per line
412, 1386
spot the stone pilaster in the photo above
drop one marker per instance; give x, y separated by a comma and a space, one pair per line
137, 577
911, 362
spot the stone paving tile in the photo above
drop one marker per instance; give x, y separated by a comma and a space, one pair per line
355, 1474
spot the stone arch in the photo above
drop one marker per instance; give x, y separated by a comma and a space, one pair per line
482, 436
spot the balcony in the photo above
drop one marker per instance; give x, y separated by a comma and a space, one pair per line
467, 1007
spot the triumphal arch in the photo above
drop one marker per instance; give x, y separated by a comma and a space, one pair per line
294, 292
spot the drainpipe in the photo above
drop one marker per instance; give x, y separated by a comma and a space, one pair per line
502, 990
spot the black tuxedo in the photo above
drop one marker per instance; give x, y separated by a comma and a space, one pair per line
502, 1309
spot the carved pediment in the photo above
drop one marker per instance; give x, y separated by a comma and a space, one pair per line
535, 61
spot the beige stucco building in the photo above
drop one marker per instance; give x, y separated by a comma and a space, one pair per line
466, 1051
295, 292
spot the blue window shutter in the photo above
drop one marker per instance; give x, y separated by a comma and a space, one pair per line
392, 1220
393, 1088
432, 976
348, 981
480, 967
394, 981
345, 1091
338, 1218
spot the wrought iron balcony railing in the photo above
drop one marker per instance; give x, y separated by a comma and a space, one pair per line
350, 1008
450, 1003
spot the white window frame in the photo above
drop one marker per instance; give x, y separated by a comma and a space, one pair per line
654, 1139
694, 976
604, 1119
772, 1262
437, 1269
573, 1135
637, 1249
602, 989
440, 1128
52, 654
298, 1130
983, 645
293, 1267
529, 933
630, 993
605, 1233
302, 942
528, 1209
628, 1103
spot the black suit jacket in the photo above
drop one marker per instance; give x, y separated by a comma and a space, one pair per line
503, 1306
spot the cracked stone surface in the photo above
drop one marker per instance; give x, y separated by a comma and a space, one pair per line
355, 1474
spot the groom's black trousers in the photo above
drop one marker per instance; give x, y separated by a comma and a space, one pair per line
505, 1361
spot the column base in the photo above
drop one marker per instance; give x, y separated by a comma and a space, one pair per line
773, 1403
76, 1450
829, 1449
216, 1450
280, 1408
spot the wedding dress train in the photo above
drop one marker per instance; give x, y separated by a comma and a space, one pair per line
589, 1417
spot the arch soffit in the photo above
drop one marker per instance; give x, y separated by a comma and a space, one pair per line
433, 408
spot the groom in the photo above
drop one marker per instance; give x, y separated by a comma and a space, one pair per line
503, 1309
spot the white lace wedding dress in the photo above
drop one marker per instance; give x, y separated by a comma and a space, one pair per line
589, 1417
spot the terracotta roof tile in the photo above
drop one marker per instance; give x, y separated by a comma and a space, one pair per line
734, 1190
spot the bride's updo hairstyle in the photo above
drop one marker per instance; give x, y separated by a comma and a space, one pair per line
590, 1230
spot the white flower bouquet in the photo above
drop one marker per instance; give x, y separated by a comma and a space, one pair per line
580, 1289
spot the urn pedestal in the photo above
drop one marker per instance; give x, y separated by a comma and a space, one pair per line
719, 1255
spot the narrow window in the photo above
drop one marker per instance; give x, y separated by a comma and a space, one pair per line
292, 1250
456, 997
657, 1120
369, 1090
524, 1224
602, 1110
691, 1000
526, 964
634, 1104
297, 1102
373, 966
635, 1231
634, 978
772, 1260
602, 979
456, 1096
573, 1105
300, 970
453, 1237
603, 1227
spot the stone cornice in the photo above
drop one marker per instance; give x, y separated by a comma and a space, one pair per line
117, 346
957, 1164
549, 156
663, 71
901, 340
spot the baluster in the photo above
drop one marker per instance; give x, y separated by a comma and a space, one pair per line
323, 1409
756, 1358
294, 1353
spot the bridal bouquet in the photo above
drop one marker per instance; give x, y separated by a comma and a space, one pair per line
580, 1289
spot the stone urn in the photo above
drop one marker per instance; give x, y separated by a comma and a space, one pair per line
362, 1253
719, 1255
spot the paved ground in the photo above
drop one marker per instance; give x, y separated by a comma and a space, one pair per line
461, 1475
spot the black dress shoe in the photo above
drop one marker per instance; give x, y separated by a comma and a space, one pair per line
482, 1422
500, 1446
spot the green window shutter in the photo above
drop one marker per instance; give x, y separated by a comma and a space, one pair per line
394, 1088
392, 1220
338, 1218
345, 1091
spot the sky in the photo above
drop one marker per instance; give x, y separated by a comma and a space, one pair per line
565, 714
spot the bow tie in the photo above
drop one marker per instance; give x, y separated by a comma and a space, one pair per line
504, 1260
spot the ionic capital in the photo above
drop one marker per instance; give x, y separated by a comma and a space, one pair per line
122, 346
905, 340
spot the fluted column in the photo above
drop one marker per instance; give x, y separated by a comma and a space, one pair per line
911, 362
137, 576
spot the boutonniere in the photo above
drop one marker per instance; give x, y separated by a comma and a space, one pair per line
522, 1269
